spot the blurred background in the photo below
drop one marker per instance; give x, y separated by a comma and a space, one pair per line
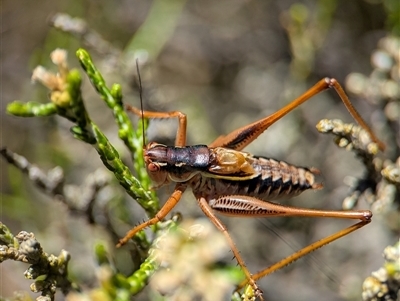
225, 64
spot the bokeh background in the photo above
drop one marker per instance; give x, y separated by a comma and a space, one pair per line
224, 64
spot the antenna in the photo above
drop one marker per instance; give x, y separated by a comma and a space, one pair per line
141, 100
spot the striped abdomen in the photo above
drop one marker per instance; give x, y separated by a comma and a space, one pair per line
274, 180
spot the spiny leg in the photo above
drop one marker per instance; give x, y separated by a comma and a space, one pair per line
246, 206
161, 214
205, 207
303, 252
240, 138
180, 139
242, 206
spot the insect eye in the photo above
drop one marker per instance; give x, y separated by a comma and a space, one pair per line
152, 167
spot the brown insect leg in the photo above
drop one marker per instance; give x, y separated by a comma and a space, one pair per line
246, 206
353, 112
240, 138
242, 206
284, 262
180, 139
221, 227
170, 203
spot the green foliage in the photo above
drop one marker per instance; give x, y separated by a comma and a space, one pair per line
67, 102
72, 107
